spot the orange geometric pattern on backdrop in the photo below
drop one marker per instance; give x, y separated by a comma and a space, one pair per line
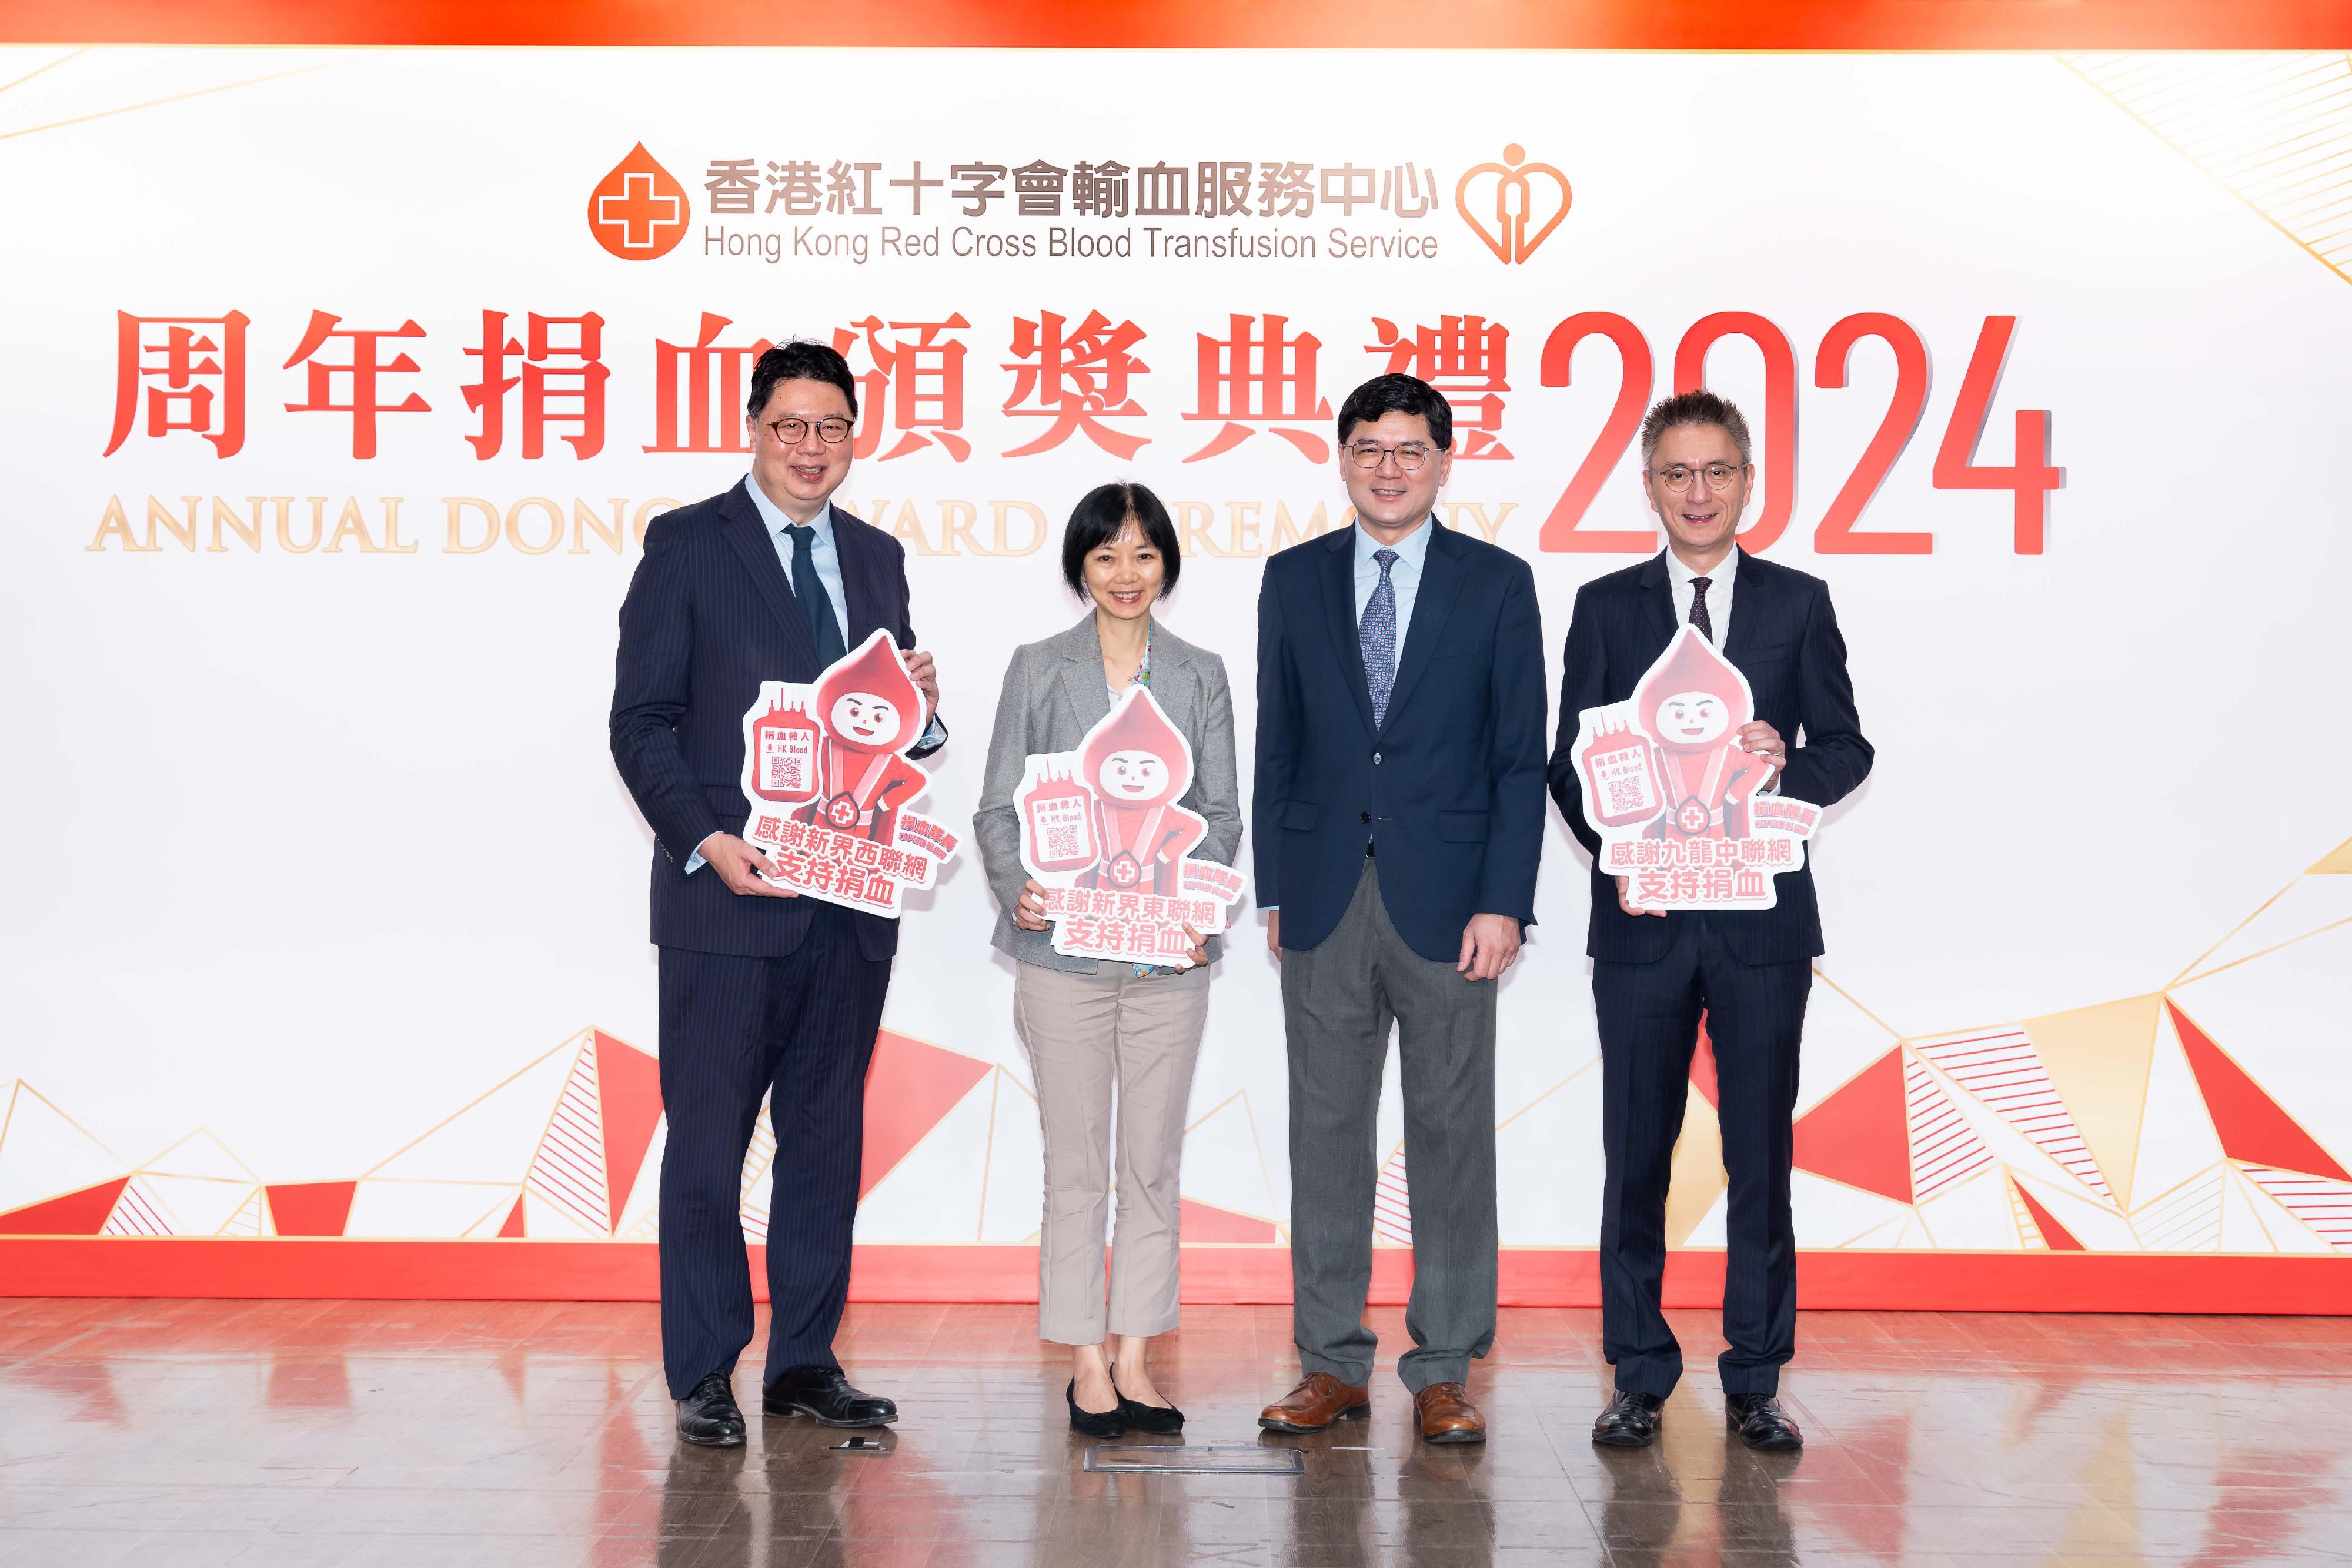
910, 1089
74, 1214
2252, 1126
1861, 1134
311, 1207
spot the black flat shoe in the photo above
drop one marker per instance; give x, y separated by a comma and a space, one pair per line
1761, 1424
707, 1418
1630, 1422
825, 1396
1150, 1417
1092, 1423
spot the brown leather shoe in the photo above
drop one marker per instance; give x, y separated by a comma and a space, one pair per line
1317, 1401
1448, 1415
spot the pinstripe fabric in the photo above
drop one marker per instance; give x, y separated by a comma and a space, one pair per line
1649, 1016
709, 615
756, 993
1784, 638
733, 1029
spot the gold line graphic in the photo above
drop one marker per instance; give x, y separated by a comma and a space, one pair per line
2218, 968
159, 102
2272, 129
37, 70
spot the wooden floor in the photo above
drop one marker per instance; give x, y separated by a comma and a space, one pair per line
415, 1435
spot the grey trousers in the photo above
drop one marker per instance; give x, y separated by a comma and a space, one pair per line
1087, 1034
1338, 1000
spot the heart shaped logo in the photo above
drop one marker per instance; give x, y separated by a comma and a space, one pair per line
1515, 205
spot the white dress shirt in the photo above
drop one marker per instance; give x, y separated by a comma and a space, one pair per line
1719, 585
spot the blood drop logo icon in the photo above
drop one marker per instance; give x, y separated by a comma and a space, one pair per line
639, 210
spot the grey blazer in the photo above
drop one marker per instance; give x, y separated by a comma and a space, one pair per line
1053, 693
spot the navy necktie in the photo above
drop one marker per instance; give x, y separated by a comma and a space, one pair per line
1377, 636
1699, 615
808, 591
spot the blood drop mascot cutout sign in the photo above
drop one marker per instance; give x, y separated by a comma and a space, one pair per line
824, 766
1102, 833
1678, 805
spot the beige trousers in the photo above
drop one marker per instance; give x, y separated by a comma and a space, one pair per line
1087, 1035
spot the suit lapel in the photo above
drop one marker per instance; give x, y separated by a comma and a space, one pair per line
1658, 597
860, 592
1339, 567
1751, 600
749, 538
1441, 584
1082, 675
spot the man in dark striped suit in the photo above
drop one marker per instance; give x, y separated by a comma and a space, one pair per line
1746, 971
763, 994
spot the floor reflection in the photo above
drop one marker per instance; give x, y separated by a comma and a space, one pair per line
421, 1434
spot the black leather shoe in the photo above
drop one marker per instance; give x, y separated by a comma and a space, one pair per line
1111, 1423
709, 1417
1630, 1422
1762, 1423
824, 1395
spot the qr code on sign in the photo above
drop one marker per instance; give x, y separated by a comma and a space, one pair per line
1062, 842
1624, 795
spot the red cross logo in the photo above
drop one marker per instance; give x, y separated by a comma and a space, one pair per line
639, 210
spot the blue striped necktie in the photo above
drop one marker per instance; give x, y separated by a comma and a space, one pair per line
1377, 635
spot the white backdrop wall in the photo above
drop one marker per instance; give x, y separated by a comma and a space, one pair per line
312, 847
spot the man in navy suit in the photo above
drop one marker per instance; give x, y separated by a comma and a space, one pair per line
1747, 972
763, 994
1398, 819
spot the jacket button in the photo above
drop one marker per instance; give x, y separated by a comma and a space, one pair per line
1363, 816
1376, 757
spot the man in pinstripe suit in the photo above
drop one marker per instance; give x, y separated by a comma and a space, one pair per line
762, 994
1746, 972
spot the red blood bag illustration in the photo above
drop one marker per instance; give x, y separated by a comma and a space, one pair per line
1621, 778
783, 754
1057, 819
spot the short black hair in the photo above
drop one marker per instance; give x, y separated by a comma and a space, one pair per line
1097, 519
1398, 394
1699, 407
799, 360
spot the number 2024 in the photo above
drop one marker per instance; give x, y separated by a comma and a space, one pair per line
2030, 478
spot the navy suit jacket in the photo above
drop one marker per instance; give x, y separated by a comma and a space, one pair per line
1449, 787
1784, 638
709, 615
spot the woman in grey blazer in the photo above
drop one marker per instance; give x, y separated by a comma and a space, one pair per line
1092, 1025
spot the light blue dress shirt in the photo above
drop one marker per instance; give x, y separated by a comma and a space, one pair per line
828, 559
1405, 581
1404, 575
828, 572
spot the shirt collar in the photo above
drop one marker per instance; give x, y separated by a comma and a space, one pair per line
773, 516
1720, 579
1411, 550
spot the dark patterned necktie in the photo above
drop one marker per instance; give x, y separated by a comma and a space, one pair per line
1699, 616
1377, 636
808, 591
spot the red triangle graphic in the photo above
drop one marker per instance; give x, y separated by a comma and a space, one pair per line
1861, 1134
909, 1089
2061, 1240
1703, 1064
311, 1207
1206, 1222
2252, 1126
513, 1227
79, 1213
628, 1082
